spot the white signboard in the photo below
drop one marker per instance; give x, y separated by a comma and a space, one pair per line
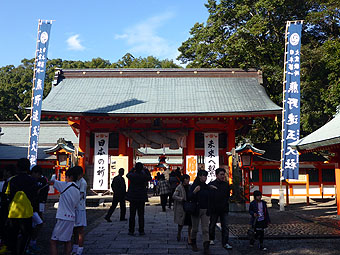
101, 161
211, 158
116, 163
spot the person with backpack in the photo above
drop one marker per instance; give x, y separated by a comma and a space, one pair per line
38, 206
21, 190
8, 172
68, 200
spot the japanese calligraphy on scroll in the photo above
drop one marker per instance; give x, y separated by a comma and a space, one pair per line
211, 158
44, 29
291, 102
101, 161
191, 167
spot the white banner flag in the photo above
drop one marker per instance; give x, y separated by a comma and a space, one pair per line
211, 158
101, 161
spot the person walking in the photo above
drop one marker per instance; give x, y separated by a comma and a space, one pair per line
68, 201
199, 192
164, 191
38, 206
119, 191
20, 211
219, 207
137, 196
174, 182
259, 218
180, 216
80, 213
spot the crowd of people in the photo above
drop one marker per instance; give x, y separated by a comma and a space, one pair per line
200, 204
24, 193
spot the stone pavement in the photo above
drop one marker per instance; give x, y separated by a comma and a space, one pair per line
315, 224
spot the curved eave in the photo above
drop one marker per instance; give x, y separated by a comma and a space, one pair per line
205, 114
326, 145
59, 147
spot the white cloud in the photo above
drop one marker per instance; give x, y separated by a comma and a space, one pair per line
143, 38
73, 43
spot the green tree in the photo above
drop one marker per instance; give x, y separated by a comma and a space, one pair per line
250, 33
16, 82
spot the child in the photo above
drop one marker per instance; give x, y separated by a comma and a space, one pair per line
259, 218
80, 221
69, 199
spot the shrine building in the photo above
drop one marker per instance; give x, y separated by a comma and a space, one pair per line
157, 108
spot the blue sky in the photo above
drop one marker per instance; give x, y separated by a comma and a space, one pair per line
109, 29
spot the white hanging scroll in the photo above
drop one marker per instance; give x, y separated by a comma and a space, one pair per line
211, 159
101, 161
116, 163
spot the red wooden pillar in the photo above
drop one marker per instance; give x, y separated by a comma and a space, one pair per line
260, 180
184, 152
82, 143
190, 149
130, 155
337, 181
191, 138
231, 144
246, 172
122, 147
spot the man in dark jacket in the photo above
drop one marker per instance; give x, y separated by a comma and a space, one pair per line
119, 190
219, 207
20, 225
137, 196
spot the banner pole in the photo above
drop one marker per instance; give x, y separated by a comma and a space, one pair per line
281, 192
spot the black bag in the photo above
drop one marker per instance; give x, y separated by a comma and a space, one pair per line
190, 207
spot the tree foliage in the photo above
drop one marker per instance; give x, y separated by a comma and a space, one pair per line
16, 82
250, 34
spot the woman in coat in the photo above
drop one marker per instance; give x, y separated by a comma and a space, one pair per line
180, 217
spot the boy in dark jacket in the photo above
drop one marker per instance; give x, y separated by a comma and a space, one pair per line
259, 218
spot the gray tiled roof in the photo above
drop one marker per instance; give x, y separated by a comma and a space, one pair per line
327, 135
15, 152
14, 141
17, 133
159, 95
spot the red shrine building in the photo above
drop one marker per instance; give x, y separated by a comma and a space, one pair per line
158, 108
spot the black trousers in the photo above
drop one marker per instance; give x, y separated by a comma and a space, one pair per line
259, 232
224, 225
122, 205
19, 234
136, 207
164, 200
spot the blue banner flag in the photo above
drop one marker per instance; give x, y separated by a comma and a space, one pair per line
44, 28
291, 101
